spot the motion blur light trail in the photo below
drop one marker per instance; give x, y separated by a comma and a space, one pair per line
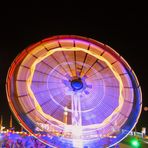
75, 90
33, 67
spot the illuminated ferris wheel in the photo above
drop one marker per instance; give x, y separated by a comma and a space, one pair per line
77, 91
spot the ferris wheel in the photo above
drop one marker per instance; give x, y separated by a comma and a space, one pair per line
77, 91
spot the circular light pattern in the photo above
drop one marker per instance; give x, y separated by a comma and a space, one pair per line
75, 90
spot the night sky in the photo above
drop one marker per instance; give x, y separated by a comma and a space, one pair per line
123, 27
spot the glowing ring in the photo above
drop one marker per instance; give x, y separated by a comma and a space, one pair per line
29, 81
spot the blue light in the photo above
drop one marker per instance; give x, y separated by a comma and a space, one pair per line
77, 84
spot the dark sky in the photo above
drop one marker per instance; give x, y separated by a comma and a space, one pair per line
122, 26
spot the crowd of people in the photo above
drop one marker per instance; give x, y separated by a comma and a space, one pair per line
17, 140
21, 140
13, 140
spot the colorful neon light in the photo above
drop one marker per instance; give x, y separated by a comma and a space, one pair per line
94, 130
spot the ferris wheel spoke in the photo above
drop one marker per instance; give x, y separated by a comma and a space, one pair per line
90, 67
58, 63
84, 60
75, 63
67, 62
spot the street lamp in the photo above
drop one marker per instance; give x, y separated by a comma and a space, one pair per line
145, 108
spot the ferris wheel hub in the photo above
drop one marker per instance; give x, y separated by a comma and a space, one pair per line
76, 84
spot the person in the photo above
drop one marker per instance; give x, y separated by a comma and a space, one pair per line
29, 143
19, 143
5, 143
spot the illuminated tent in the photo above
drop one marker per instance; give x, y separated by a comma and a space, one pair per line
77, 91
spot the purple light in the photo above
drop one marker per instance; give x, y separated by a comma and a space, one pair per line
89, 79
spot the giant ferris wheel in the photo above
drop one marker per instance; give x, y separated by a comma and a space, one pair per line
77, 91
